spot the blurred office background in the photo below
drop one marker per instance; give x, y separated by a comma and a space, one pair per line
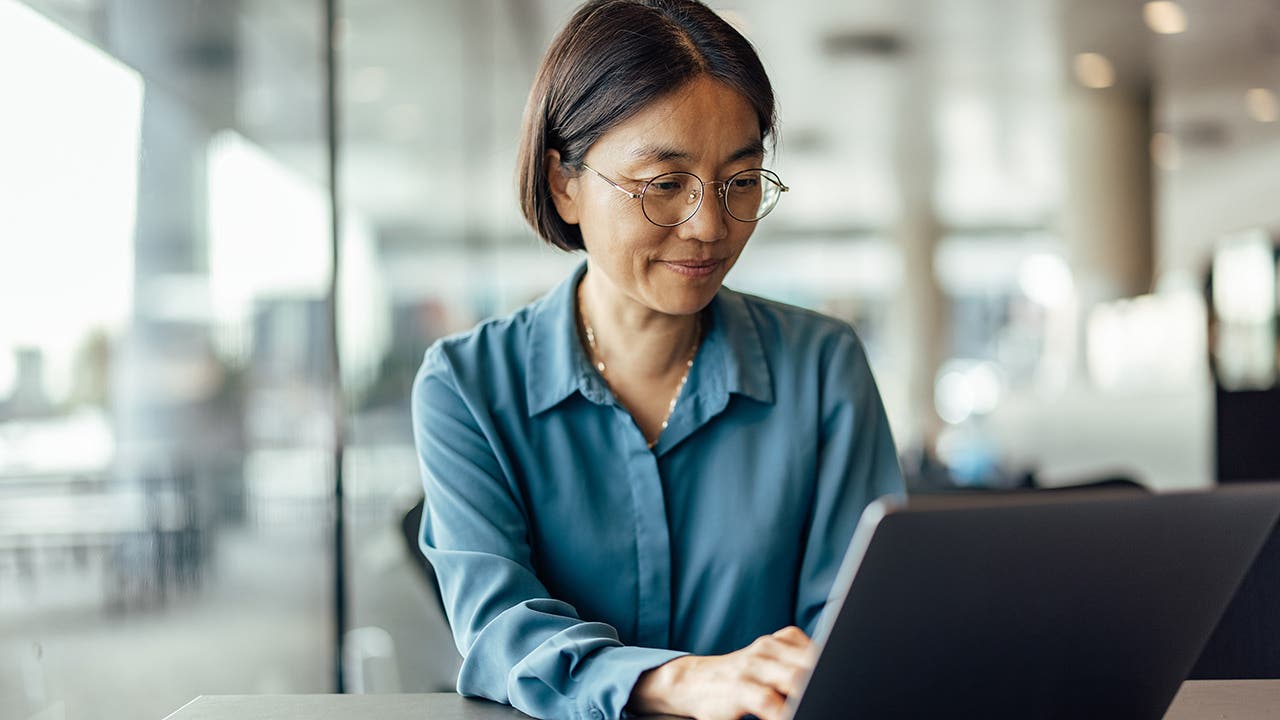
1052, 221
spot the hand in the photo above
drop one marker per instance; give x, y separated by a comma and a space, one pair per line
755, 680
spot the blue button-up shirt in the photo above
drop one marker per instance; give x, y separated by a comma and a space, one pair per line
572, 557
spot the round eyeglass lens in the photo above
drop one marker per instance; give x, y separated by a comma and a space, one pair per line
751, 194
672, 198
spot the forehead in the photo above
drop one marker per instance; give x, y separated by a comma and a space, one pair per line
704, 119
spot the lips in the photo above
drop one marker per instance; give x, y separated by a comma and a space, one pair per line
692, 268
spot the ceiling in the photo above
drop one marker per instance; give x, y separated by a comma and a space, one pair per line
449, 81
432, 95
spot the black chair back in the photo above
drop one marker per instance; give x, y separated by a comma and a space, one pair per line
410, 527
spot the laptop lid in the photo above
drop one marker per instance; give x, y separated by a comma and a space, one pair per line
1044, 604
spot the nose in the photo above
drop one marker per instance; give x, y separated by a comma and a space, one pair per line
708, 224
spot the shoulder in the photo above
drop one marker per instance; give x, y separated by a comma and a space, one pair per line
480, 358
490, 340
790, 328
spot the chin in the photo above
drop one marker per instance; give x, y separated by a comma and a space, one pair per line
687, 303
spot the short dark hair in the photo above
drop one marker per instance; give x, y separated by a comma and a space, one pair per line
612, 59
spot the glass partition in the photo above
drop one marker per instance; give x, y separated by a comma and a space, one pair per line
165, 404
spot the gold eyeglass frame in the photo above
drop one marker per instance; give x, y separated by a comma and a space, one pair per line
720, 192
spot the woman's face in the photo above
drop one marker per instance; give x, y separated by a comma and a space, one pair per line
705, 128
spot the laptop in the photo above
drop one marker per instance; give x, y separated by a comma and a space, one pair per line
1031, 605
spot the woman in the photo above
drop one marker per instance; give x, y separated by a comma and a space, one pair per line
639, 487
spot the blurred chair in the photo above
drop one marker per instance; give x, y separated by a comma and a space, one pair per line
410, 528
368, 661
1116, 481
1246, 643
399, 641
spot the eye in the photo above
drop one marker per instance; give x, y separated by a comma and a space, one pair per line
744, 182
670, 184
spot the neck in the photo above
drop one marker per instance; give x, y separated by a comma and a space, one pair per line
632, 338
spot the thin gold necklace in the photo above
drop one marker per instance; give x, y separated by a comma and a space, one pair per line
598, 361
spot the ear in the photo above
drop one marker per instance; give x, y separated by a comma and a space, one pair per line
564, 188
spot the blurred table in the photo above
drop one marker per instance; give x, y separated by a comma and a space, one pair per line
1226, 699
1197, 700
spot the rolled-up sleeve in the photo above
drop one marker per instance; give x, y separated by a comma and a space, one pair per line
519, 645
857, 463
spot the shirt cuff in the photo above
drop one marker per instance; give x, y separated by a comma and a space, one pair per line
620, 668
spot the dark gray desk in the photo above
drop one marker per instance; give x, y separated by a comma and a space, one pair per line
1198, 700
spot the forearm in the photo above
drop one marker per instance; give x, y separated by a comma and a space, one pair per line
755, 680
540, 658
657, 690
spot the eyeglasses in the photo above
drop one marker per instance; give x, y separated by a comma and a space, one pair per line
672, 198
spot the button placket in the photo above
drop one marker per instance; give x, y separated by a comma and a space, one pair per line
653, 545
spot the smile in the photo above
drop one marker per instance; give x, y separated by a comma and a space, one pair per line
692, 268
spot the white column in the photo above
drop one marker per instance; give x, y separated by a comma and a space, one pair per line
1107, 218
921, 306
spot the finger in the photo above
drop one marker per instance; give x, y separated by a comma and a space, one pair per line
797, 654
792, 635
763, 702
783, 678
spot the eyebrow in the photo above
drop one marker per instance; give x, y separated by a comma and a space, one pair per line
663, 153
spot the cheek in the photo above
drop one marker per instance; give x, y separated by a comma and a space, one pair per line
621, 232
606, 219
740, 233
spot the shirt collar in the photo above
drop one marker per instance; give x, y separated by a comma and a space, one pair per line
746, 370
557, 366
